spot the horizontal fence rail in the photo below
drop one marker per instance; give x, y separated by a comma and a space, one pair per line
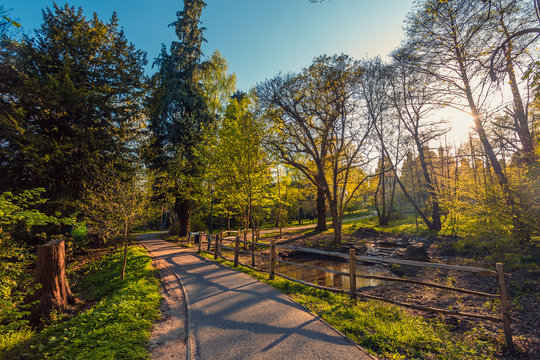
271, 257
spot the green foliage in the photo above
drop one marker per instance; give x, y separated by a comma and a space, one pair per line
21, 208
117, 326
71, 95
240, 163
114, 204
217, 84
18, 215
386, 330
179, 116
15, 285
79, 230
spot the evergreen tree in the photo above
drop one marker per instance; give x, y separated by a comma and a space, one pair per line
179, 116
69, 100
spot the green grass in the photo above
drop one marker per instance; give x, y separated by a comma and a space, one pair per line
383, 329
117, 326
346, 217
79, 229
402, 226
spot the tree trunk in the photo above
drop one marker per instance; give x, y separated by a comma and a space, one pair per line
336, 222
435, 208
521, 230
381, 211
521, 121
124, 263
161, 217
278, 219
321, 206
51, 274
383, 220
182, 208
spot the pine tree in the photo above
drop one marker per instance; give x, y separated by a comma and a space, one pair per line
179, 116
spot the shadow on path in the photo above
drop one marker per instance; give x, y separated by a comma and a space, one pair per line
237, 317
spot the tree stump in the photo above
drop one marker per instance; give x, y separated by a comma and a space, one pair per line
416, 252
51, 274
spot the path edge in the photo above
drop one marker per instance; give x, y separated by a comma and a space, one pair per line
190, 343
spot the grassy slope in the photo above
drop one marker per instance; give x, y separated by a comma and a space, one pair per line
116, 327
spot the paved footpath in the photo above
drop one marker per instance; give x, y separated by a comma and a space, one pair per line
233, 316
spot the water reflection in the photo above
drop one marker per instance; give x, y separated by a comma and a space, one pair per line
324, 278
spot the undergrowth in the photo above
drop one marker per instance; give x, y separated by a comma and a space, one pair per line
117, 326
383, 329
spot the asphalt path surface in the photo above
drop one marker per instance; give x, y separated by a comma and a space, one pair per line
233, 316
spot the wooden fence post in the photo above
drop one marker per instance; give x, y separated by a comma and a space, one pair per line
221, 237
504, 308
352, 273
252, 255
216, 247
236, 248
188, 238
272, 258
200, 242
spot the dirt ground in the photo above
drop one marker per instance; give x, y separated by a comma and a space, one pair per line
169, 334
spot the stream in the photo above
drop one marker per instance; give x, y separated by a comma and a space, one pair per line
324, 278
382, 249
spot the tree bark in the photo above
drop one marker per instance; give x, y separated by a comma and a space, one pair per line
337, 216
321, 205
521, 123
435, 208
124, 262
521, 230
51, 274
182, 208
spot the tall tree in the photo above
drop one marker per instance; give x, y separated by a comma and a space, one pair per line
413, 95
68, 98
242, 168
179, 116
449, 39
317, 127
374, 91
217, 84
507, 18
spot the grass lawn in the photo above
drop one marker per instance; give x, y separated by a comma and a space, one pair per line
386, 330
118, 324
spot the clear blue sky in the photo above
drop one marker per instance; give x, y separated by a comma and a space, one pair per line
259, 38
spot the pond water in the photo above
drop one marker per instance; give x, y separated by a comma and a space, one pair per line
324, 278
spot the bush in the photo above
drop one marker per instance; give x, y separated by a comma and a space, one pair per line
18, 214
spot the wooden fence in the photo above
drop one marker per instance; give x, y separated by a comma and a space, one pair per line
216, 246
